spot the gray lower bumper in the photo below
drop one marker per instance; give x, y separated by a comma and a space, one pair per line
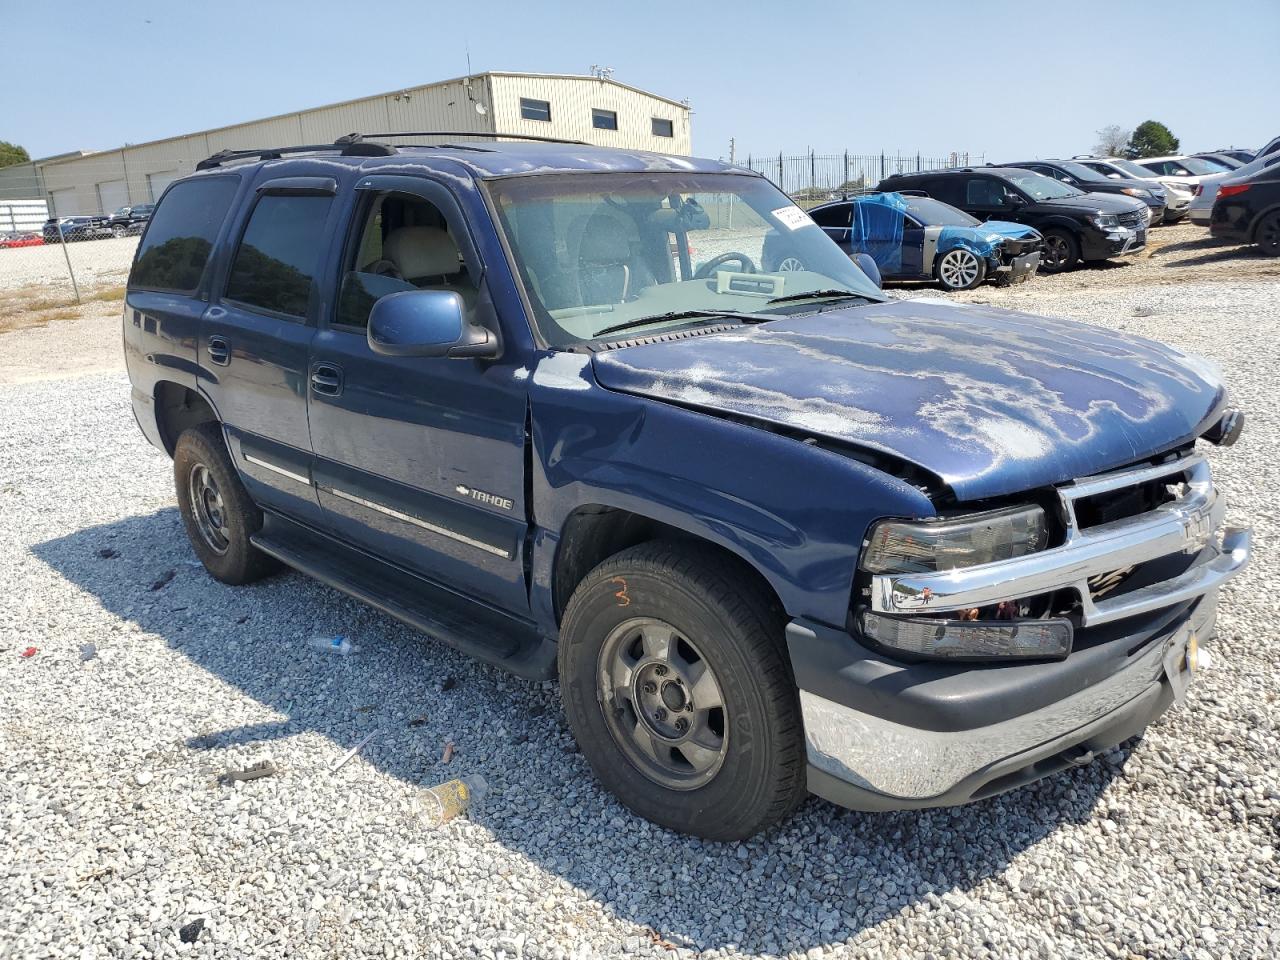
867, 762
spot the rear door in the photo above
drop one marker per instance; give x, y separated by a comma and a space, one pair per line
421, 461
256, 337
834, 221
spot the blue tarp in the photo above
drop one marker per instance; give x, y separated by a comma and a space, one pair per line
982, 239
877, 229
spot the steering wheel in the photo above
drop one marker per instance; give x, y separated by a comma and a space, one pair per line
708, 268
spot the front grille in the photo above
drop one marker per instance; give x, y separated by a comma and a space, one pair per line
1135, 218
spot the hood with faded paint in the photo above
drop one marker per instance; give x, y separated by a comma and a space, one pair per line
992, 402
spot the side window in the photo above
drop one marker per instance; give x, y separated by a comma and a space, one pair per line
279, 253
404, 243
179, 239
836, 216
946, 189
983, 192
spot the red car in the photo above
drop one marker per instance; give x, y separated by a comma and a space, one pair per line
21, 240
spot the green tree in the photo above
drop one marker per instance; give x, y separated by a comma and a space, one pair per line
1151, 138
11, 153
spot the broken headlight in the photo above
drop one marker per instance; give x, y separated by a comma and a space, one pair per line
896, 546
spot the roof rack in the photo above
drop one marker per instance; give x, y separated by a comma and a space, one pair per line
363, 145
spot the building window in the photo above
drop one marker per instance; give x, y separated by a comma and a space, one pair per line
535, 109
604, 119
662, 128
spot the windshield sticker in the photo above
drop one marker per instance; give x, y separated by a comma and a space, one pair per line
793, 218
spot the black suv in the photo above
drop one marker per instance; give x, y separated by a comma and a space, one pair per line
1248, 210
1076, 225
1074, 174
129, 220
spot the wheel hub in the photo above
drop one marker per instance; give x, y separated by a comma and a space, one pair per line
208, 509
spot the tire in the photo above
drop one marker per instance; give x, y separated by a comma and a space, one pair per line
1061, 251
1267, 234
216, 509
959, 269
738, 767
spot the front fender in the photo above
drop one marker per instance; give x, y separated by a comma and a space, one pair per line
796, 512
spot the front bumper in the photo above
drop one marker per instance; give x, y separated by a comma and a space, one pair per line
1117, 242
862, 760
1018, 268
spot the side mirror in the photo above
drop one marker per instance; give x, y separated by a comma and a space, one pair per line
427, 323
868, 266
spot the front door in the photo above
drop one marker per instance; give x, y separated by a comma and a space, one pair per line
255, 341
912, 248
420, 461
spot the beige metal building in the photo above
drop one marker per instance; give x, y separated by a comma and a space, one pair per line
594, 109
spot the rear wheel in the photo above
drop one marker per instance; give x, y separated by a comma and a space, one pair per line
216, 509
678, 689
1268, 234
1061, 251
960, 269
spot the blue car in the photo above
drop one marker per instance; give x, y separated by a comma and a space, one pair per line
776, 532
919, 238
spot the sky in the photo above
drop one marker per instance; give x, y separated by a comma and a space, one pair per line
1006, 80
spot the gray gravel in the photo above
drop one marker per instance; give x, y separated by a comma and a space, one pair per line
116, 838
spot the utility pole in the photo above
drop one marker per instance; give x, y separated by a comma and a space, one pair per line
731, 148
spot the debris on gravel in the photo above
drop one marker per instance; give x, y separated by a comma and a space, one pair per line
115, 846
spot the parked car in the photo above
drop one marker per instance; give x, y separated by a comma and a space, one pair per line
1187, 169
919, 238
130, 220
75, 228
1272, 146
1207, 188
1177, 192
1222, 159
1075, 174
1075, 225
1247, 209
775, 531
1238, 153
10, 240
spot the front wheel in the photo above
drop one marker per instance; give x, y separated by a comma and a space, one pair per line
1268, 234
1061, 252
216, 509
960, 269
679, 692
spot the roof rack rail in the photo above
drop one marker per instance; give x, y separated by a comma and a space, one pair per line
482, 134
347, 148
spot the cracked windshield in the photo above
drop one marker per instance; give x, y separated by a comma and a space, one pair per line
650, 253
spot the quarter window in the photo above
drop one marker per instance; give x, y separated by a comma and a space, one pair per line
604, 119
662, 127
535, 109
278, 254
176, 248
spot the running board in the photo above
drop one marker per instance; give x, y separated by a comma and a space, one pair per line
476, 630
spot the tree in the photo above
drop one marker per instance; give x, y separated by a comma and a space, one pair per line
1112, 139
11, 153
1151, 139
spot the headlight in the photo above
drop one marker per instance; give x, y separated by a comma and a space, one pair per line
895, 546
1105, 221
1136, 192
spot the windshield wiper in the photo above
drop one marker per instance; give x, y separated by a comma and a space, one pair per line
685, 315
820, 295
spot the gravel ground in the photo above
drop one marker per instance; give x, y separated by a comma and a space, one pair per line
116, 838
96, 263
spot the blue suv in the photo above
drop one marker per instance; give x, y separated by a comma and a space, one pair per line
775, 532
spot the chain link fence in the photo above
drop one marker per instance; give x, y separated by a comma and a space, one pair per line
811, 178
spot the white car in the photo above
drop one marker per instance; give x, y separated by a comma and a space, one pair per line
1189, 170
1207, 189
1177, 189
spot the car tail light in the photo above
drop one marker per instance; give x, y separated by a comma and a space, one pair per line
1230, 190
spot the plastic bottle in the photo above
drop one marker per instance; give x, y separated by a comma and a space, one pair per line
442, 803
340, 645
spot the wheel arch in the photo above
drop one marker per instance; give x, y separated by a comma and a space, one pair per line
179, 408
1256, 225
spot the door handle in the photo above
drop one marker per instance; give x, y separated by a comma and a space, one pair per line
219, 351
326, 378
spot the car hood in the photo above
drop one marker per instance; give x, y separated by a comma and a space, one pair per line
991, 402
1002, 228
1101, 202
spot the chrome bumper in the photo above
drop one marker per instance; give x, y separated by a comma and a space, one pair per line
920, 767
1188, 525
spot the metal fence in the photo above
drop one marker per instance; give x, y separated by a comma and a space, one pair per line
812, 178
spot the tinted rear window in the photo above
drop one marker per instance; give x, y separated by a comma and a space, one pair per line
279, 253
176, 247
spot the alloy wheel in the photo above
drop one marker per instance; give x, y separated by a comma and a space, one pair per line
208, 509
662, 703
790, 265
958, 269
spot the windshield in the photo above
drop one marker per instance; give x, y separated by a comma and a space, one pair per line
1079, 171
601, 251
1040, 187
934, 213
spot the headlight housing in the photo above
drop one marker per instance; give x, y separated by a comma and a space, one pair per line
1105, 221
895, 546
1136, 192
